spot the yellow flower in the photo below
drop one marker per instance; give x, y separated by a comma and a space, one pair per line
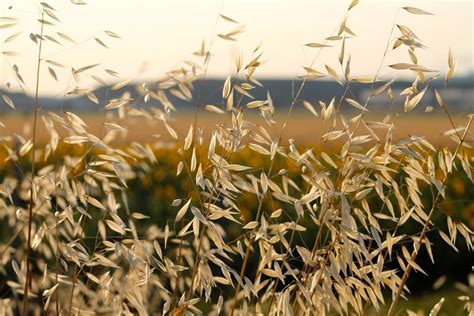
458, 186
468, 215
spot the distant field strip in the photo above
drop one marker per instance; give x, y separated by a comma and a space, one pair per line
303, 127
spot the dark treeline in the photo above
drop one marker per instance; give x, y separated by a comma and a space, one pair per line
458, 96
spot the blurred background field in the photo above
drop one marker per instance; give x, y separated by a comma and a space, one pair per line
303, 127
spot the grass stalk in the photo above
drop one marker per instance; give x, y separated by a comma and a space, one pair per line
33, 170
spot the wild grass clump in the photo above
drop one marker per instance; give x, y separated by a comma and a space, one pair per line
210, 256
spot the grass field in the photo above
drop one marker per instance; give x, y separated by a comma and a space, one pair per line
303, 127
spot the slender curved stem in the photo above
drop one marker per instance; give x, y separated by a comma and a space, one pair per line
33, 170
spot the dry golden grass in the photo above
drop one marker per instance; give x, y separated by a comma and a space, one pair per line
328, 229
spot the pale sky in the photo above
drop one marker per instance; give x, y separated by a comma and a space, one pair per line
164, 33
